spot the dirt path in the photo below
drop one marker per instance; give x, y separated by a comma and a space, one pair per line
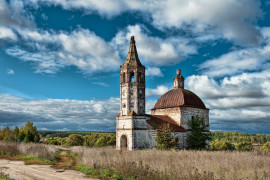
18, 170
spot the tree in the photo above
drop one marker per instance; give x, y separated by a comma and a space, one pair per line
75, 140
244, 146
266, 146
198, 137
222, 145
16, 132
164, 138
28, 133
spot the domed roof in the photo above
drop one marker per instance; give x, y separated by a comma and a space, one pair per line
179, 97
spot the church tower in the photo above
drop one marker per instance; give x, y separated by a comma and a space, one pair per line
132, 83
131, 131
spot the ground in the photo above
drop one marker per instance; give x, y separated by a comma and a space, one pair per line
18, 170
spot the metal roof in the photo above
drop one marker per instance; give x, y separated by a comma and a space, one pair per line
179, 97
156, 121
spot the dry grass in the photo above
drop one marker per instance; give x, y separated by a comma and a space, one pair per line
37, 150
151, 164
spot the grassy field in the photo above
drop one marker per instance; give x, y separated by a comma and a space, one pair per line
109, 163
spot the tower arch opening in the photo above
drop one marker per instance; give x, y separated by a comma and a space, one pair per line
123, 142
131, 77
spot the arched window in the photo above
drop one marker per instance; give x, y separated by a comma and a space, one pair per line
124, 77
132, 77
139, 77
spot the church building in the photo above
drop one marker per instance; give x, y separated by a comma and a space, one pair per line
137, 130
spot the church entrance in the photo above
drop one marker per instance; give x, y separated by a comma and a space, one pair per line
123, 142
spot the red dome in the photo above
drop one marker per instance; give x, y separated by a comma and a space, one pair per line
179, 97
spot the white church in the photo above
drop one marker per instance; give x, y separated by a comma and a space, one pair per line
137, 130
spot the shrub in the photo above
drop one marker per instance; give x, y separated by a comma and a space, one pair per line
75, 140
164, 138
198, 137
222, 145
244, 146
266, 146
101, 141
90, 140
28, 133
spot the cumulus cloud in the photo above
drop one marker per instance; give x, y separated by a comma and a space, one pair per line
236, 103
7, 34
12, 14
56, 114
80, 48
198, 16
153, 50
153, 71
160, 90
238, 61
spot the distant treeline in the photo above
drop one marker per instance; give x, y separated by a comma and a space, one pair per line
62, 134
92, 140
237, 137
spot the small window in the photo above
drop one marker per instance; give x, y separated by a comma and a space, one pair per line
192, 117
124, 77
139, 77
132, 77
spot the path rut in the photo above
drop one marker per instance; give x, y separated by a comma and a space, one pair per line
19, 171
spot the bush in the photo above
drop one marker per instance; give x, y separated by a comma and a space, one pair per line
222, 145
164, 138
198, 137
90, 140
266, 146
244, 146
75, 140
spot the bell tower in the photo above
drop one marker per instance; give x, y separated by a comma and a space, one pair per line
132, 83
131, 126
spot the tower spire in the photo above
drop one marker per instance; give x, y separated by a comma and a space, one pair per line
132, 57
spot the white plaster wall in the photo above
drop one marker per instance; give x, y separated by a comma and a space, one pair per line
188, 112
128, 134
173, 113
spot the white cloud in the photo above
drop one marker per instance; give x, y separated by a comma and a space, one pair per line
60, 113
12, 14
10, 72
80, 48
153, 71
7, 33
153, 50
194, 15
239, 102
160, 90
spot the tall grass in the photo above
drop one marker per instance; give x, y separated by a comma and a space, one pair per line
153, 164
38, 150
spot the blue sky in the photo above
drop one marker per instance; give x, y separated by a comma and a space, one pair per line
59, 60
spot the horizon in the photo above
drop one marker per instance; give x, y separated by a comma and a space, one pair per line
59, 61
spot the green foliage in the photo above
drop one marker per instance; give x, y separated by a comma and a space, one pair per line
198, 136
222, 145
74, 140
266, 146
96, 171
62, 134
26, 133
164, 139
236, 137
244, 146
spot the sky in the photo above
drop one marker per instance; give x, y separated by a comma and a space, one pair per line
60, 60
